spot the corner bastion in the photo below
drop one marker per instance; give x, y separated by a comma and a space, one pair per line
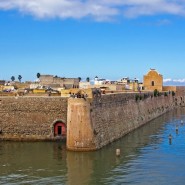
94, 123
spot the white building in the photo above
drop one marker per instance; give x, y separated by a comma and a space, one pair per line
84, 85
99, 81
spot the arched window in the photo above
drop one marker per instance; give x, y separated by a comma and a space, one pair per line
153, 83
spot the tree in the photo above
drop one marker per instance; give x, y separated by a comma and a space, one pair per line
38, 75
13, 78
156, 93
19, 78
79, 78
87, 79
165, 94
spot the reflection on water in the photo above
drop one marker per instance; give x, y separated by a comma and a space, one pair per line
146, 158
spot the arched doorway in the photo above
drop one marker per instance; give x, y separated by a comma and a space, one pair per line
60, 129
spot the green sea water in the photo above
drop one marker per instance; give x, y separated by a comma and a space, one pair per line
147, 158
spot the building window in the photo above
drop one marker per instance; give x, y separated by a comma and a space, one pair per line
153, 83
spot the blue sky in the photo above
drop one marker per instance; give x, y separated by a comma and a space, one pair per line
111, 39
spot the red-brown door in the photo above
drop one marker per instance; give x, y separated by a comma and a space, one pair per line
60, 129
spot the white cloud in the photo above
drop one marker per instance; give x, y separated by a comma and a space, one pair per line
169, 80
179, 80
97, 9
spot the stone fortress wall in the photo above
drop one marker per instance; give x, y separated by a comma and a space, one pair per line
30, 118
91, 123
99, 122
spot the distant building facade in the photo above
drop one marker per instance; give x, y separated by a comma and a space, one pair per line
84, 85
99, 81
55, 81
129, 84
125, 81
2, 82
153, 80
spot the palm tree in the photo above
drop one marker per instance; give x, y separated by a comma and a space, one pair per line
87, 79
19, 78
13, 78
79, 78
38, 75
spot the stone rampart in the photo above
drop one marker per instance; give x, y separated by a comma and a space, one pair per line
30, 118
93, 124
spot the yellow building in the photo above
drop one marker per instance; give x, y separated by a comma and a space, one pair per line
39, 91
8, 88
153, 80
